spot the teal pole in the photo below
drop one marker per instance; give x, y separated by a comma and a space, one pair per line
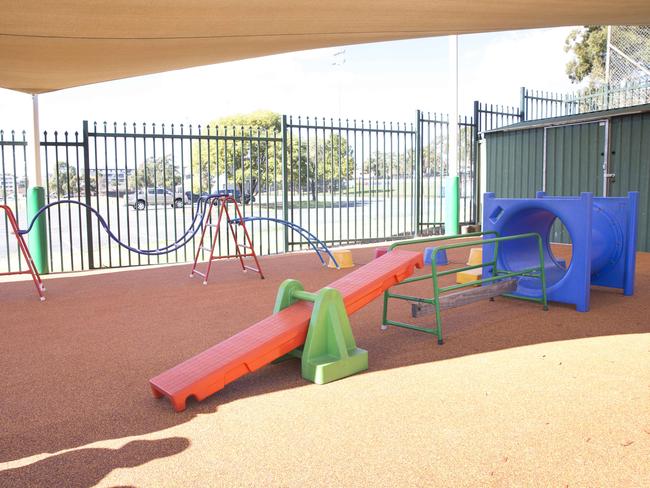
452, 205
37, 241
452, 202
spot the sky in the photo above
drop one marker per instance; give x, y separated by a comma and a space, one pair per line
382, 81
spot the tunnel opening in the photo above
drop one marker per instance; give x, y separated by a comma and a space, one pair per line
520, 254
561, 248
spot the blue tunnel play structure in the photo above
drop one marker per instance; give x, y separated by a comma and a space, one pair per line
603, 232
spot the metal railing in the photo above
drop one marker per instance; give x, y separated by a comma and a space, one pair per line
13, 193
433, 157
145, 180
350, 181
490, 116
537, 104
490, 264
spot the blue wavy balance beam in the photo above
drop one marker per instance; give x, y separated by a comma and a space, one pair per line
300, 230
194, 227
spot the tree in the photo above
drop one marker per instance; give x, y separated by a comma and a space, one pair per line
245, 150
238, 151
64, 180
324, 166
384, 164
589, 48
158, 172
434, 159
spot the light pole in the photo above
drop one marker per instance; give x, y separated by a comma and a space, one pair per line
452, 202
36, 200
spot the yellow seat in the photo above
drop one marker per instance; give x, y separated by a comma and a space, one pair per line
475, 256
343, 257
468, 276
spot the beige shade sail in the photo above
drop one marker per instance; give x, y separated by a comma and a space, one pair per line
48, 45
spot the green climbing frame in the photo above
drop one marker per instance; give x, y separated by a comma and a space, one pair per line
439, 293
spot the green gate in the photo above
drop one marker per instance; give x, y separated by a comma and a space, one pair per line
573, 163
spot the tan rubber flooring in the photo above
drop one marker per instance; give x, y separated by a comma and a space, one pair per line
515, 397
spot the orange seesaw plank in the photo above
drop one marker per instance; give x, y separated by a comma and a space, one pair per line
258, 345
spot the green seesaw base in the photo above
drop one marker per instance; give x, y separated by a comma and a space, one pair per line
330, 352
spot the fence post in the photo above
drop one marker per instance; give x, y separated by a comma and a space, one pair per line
476, 167
417, 220
522, 105
285, 189
87, 195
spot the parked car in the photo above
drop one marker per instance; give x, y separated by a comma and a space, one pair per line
141, 199
191, 197
236, 193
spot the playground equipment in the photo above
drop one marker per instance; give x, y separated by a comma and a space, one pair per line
441, 257
311, 239
329, 351
242, 250
380, 251
603, 233
24, 250
500, 282
342, 258
475, 257
200, 222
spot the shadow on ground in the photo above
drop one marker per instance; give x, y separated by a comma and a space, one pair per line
86, 467
76, 367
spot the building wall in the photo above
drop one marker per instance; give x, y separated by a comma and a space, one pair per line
514, 163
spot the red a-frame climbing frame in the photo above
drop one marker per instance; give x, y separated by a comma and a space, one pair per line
22, 246
242, 250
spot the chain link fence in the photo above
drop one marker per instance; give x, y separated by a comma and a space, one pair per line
628, 55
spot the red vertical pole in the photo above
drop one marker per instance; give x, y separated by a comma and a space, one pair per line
22, 246
249, 241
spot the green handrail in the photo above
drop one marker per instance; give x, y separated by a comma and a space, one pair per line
441, 238
534, 272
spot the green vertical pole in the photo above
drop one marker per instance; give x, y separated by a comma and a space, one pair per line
452, 202
37, 240
418, 174
285, 190
452, 205
542, 271
38, 235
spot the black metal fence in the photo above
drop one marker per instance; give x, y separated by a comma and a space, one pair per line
346, 181
13, 189
433, 157
350, 181
145, 180
537, 104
